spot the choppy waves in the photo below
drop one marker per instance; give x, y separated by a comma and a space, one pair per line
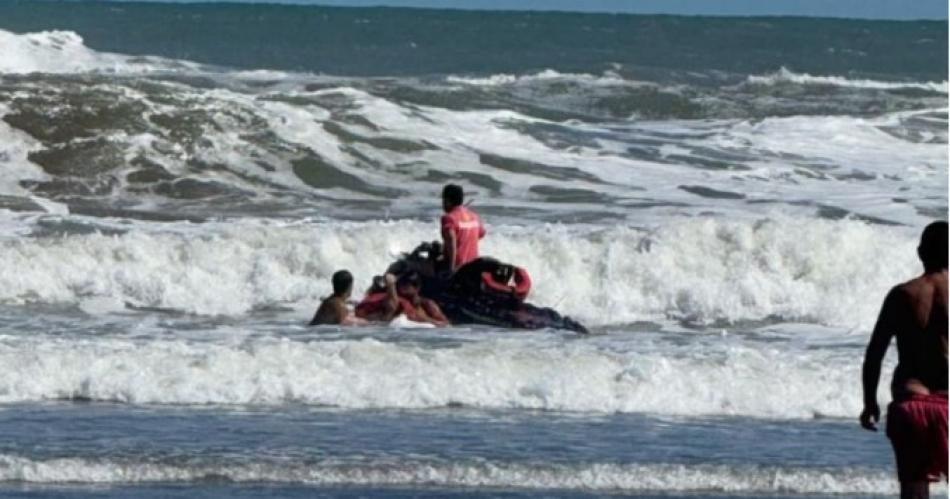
695, 270
785, 76
106, 134
168, 227
712, 377
65, 52
596, 477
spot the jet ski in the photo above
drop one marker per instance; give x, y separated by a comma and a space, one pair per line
485, 291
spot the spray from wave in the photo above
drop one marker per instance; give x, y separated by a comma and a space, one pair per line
693, 270
712, 378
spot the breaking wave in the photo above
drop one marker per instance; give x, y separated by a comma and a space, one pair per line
65, 52
785, 76
104, 134
597, 477
694, 270
604, 375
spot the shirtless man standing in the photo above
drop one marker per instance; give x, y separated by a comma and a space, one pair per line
916, 314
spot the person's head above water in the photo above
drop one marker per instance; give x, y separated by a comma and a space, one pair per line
452, 196
408, 285
933, 247
342, 283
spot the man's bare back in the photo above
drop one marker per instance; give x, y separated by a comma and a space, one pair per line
921, 330
915, 313
332, 310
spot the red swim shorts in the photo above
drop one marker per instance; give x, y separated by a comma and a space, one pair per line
917, 427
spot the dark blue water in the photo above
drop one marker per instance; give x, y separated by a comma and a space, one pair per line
394, 41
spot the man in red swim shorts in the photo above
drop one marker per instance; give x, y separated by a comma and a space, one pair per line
916, 314
461, 229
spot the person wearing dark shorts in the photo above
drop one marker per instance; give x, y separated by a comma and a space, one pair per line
915, 313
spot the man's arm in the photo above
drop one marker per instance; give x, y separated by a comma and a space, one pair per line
353, 320
481, 229
392, 298
339, 312
345, 318
877, 347
435, 313
448, 246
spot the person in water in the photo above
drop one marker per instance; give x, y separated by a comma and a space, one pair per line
381, 303
461, 229
389, 298
914, 312
416, 307
333, 309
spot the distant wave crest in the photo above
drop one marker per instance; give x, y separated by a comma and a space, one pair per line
784, 75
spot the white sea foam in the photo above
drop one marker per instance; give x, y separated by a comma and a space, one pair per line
596, 477
784, 75
64, 52
845, 162
710, 375
699, 270
850, 163
502, 79
46, 51
15, 147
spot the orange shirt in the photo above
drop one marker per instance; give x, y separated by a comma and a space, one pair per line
468, 229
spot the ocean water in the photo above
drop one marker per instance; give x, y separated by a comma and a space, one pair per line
723, 202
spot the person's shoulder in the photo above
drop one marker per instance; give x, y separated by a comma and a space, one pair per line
330, 301
448, 218
914, 287
922, 287
324, 304
900, 291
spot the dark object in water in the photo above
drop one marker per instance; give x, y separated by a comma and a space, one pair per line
465, 301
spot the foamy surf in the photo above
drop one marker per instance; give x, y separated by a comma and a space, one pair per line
715, 377
62, 51
603, 477
571, 147
699, 271
786, 76
169, 221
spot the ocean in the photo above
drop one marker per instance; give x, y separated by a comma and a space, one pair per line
724, 202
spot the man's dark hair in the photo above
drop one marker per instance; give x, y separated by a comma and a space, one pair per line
342, 282
453, 194
933, 246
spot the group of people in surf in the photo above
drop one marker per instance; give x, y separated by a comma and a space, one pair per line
391, 296
914, 313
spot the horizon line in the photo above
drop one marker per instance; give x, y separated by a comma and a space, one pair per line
528, 9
